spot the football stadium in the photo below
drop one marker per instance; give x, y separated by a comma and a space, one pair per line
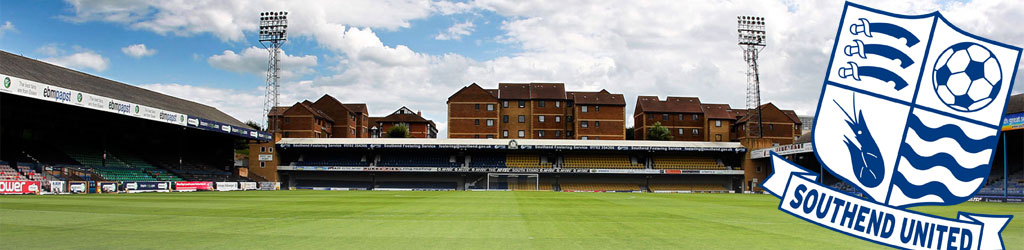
122, 167
90, 162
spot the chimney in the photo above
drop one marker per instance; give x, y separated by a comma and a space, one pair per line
418, 113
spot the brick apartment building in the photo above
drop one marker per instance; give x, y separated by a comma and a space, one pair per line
535, 111
325, 118
419, 127
780, 126
690, 120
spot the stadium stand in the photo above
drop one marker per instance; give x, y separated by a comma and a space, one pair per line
693, 187
488, 161
689, 163
1014, 185
600, 187
417, 160
600, 161
9, 174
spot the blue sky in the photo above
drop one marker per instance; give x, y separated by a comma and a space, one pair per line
414, 53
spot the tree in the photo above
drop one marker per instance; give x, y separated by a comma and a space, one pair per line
659, 133
254, 125
629, 134
398, 131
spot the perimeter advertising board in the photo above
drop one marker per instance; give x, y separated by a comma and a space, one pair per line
78, 187
189, 186
147, 186
247, 185
226, 186
19, 187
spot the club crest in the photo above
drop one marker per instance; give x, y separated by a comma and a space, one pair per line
909, 115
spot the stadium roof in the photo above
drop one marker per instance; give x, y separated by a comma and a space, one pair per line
34, 70
1016, 104
414, 143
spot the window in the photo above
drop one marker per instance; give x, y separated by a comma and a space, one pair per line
263, 149
558, 133
558, 119
504, 104
476, 106
490, 122
285, 134
696, 131
476, 136
680, 131
558, 104
541, 118
597, 108
568, 104
522, 104
650, 116
718, 137
287, 119
583, 138
522, 119
597, 124
568, 118
263, 164
270, 150
718, 123
490, 107
476, 122
758, 169
540, 104
504, 118
583, 109
771, 127
490, 136
695, 116
522, 133
680, 117
504, 133
540, 133
584, 124
664, 117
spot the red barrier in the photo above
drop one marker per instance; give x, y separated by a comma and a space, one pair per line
19, 187
193, 185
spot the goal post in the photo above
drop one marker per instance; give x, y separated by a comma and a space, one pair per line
514, 182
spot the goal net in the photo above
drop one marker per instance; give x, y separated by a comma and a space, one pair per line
515, 182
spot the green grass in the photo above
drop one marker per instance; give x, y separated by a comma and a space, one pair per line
418, 220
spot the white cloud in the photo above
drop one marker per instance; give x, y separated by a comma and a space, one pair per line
456, 31
50, 49
254, 60
138, 51
81, 60
6, 27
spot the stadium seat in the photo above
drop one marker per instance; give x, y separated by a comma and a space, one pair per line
600, 161
526, 161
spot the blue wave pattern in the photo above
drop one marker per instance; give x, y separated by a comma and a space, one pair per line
963, 174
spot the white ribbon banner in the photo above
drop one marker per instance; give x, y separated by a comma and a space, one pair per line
804, 198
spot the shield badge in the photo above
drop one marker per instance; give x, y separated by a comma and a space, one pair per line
910, 109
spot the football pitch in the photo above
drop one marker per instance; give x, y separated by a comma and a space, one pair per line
427, 220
